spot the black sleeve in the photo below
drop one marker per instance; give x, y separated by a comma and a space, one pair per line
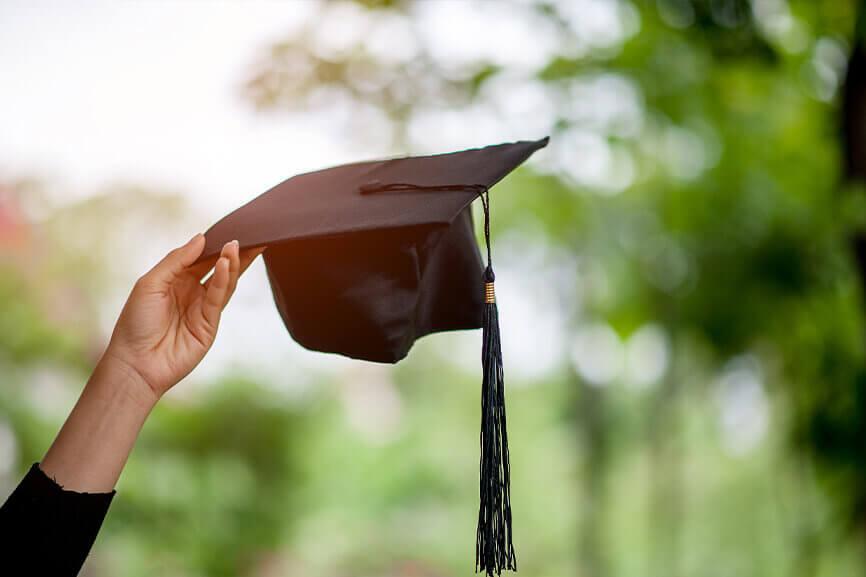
46, 530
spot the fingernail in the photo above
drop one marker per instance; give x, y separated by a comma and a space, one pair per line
235, 242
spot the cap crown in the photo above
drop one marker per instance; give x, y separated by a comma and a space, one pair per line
362, 270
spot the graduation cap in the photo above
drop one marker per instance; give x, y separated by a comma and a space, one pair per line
365, 258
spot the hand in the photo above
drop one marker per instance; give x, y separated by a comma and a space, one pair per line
167, 325
171, 318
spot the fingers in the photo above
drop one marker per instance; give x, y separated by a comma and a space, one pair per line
216, 293
232, 252
222, 284
175, 262
246, 258
199, 270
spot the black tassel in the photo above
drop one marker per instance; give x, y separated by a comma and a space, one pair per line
494, 551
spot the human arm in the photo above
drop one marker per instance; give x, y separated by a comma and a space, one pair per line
165, 329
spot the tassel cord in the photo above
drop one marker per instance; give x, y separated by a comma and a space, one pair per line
494, 548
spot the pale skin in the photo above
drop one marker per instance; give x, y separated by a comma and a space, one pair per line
166, 327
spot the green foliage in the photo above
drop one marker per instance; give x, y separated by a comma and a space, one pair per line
721, 221
727, 234
214, 482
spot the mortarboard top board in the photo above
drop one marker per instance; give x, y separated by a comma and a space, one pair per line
365, 258
364, 272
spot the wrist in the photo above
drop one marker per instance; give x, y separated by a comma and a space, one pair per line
123, 379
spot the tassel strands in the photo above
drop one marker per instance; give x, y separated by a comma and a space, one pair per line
494, 550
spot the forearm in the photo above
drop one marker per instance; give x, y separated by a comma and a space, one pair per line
94, 443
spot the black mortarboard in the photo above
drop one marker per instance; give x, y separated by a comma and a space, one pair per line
365, 258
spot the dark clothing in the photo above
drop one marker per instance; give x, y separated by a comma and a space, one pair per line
46, 530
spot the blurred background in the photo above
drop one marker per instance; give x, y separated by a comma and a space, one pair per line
681, 279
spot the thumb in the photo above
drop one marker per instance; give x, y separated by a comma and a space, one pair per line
175, 262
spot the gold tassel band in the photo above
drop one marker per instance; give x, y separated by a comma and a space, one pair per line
489, 293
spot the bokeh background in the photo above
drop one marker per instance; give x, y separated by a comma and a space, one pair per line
681, 279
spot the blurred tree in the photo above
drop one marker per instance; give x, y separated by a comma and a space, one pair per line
692, 177
693, 206
214, 487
